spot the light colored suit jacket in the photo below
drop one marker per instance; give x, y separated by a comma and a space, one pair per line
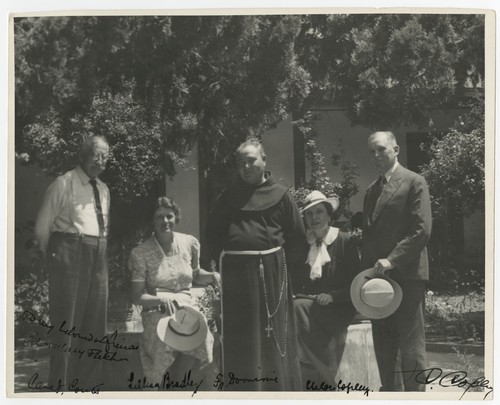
400, 225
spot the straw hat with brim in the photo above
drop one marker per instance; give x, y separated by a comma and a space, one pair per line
316, 197
184, 330
375, 297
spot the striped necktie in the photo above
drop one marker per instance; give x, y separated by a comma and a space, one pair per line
376, 192
98, 207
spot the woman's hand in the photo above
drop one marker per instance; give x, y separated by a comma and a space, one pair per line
168, 304
216, 277
324, 299
204, 277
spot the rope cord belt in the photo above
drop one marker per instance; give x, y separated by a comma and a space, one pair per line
251, 252
283, 292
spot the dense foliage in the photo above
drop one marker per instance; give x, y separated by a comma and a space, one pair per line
456, 177
31, 302
318, 178
392, 69
456, 317
211, 80
455, 172
159, 86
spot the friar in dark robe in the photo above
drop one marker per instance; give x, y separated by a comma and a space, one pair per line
257, 235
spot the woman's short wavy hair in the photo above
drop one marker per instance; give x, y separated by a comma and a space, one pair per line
165, 202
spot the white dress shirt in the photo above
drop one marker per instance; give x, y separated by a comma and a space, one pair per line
389, 172
69, 206
387, 176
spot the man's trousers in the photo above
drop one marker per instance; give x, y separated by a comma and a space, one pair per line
78, 295
399, 341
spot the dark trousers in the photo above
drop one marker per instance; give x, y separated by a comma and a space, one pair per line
78, 295
399, 341
322, 335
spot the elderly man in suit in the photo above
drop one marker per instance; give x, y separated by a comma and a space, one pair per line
396, 228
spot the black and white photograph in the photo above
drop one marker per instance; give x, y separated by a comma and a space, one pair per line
264, 204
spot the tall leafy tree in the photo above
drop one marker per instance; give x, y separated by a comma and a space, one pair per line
456, 177
155, 86
392, 69
158, 85
456, 169
211, 80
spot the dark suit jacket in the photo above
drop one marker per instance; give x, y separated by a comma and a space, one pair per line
400, 225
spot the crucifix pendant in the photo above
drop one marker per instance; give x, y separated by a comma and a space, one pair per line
269, 328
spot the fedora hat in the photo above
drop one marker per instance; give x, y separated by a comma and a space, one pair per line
316, 197
375, 297
184, 330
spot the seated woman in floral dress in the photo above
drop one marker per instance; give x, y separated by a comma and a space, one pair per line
163, 269
323, 305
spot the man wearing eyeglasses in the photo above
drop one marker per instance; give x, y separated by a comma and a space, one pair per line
71, 234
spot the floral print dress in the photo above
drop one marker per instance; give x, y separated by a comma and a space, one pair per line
170, 276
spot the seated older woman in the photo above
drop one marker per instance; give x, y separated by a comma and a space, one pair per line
163, 269
323, 306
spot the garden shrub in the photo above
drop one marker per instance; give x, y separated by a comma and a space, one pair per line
32, 295
454, 279
205, 304
455, 316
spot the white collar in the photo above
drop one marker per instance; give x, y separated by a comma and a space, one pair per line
84, 178
390, 172
158, 246
318, 255
328, 239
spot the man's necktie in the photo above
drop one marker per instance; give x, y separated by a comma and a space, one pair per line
380, 186
98, 207
376, 192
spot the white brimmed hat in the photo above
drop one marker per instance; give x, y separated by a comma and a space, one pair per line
375, 297
316, 197
184, 330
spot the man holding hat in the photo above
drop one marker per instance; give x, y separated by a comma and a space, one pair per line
396, 228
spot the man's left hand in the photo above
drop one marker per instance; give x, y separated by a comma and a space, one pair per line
382, 267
